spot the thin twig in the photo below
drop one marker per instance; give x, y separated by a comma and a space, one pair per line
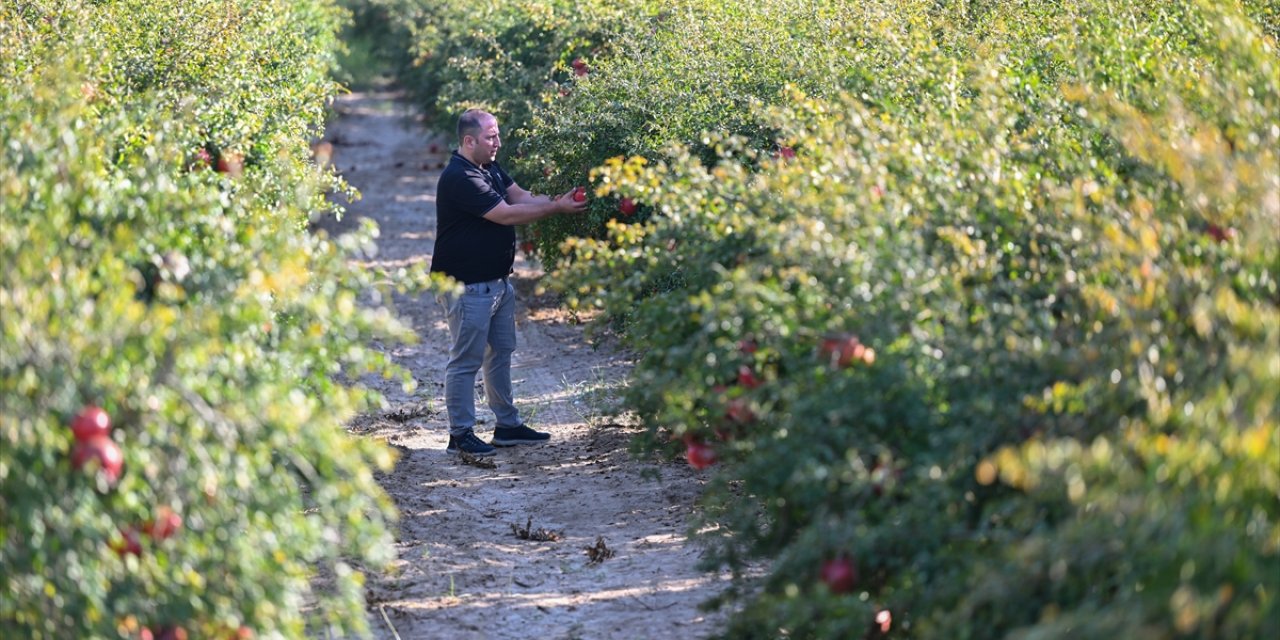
383, 610
652, 607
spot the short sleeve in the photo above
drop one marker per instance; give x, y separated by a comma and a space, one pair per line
475, 196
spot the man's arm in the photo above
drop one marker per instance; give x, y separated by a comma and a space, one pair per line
517, 195
522, 207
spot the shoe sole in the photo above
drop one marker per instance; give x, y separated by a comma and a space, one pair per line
514, 443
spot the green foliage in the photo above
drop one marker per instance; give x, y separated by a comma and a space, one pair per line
196, 309
699, 67
1052, 223
364, 57
510, 58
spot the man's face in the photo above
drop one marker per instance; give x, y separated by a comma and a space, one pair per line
486, 142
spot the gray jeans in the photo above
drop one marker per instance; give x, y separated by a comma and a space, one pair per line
482, 324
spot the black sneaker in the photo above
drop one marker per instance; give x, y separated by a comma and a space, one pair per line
512, 436
469, 444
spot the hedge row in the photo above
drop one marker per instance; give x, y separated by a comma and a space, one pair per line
172, 338
975, 305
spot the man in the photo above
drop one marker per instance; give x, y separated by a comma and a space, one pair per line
477, 208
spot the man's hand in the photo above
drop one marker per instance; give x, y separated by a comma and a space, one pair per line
566, 204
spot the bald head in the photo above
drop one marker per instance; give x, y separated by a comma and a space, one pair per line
472, 122
478, 136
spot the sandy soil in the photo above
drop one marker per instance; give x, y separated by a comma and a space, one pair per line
462, 571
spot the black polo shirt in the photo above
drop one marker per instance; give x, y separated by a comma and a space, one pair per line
468, 247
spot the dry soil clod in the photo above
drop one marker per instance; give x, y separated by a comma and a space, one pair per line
537, 535
598, 552
476, 461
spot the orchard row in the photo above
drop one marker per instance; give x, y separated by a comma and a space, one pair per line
1051, 226
175, 346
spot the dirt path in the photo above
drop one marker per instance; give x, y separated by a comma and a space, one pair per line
462, 571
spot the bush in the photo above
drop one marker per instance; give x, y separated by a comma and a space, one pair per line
157, 190
1065, 289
